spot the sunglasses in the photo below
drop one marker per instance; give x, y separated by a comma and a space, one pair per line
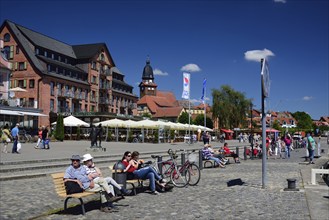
128, 155
76, 160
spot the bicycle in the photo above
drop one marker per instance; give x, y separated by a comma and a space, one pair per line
189, 170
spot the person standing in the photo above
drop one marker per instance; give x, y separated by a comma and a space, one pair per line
310, 147
5, 138
14, 135
100, 135
93, 136
287, 140
44, 137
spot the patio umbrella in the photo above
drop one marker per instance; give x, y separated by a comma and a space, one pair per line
17, 89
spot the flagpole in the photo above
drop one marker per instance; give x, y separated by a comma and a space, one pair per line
204, 106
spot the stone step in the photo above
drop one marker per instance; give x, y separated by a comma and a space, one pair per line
32, 169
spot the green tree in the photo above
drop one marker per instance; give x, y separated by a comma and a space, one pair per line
146, 115
59, 135
304, 121
230, 107
183, 118
199, 120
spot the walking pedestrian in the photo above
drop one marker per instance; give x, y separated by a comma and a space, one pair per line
287, 140
14, 135
39, 138
45, 137
310, 147
5, 137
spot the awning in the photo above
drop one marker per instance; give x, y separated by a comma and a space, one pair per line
226, 131
32, 113
10, 112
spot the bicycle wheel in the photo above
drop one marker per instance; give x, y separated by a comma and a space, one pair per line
195, 174
180, 177
166, 170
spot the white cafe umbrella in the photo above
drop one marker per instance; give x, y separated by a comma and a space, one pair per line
17, 89
72, 121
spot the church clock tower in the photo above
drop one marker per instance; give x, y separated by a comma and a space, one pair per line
147, 86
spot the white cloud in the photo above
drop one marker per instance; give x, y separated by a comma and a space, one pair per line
159, 72
191, 68
257, 55
307, 98
280, 1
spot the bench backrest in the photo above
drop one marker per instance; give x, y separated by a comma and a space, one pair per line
59, 184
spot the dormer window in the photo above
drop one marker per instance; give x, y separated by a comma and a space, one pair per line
6, 38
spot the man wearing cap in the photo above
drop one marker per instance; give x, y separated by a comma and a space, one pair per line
77, 173
95, 174
14, 134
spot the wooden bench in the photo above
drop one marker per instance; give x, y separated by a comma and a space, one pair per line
61, 192
132, 183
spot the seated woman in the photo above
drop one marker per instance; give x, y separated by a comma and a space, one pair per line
132, 163
218, 154
231, 153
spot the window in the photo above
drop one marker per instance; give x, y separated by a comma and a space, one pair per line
37, 51
93, 65
93, 79
52, 104
6, 51
52, 87
22, 83
17, 49
6, 38
22, 66
31, 83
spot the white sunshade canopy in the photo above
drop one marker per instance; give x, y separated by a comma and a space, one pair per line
113, 123
72, 121
147, 124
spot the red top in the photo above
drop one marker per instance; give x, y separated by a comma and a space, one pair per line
227, 150
40, 134
131, 168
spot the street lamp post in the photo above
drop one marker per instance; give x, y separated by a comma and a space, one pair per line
251, 134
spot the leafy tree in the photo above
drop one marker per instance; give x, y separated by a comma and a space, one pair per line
199, 120
276, 125
304, 120
156, 136
183, 118
60, 128
230, 107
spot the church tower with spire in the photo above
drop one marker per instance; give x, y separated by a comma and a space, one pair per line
147, 86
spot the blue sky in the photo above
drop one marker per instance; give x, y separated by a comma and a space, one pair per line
223, 40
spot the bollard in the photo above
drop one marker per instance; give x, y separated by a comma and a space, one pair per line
200, 160
183, 158
252, 151
237, 151
245, 153
291, 185
160, 164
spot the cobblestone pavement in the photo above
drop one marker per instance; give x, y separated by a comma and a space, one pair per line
210, 199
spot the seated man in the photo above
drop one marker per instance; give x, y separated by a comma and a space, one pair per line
231, 153
77, 173
207, 155
95, 174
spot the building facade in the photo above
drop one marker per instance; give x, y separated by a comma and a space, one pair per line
62, 78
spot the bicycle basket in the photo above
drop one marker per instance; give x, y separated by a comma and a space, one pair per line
192, 157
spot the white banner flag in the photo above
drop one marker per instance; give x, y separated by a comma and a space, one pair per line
186, 86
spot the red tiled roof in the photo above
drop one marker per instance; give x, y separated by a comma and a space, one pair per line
168, 112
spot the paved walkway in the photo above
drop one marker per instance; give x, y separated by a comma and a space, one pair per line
210, 199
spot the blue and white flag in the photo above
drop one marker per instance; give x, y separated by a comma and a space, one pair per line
203, 90
186, 86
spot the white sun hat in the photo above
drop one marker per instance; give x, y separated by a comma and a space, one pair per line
87, 157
